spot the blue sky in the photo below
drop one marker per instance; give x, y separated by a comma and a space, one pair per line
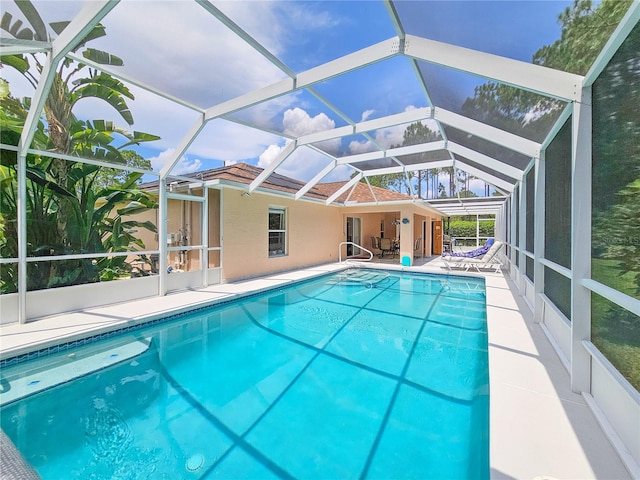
178, 48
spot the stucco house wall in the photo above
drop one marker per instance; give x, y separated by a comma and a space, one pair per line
314, 232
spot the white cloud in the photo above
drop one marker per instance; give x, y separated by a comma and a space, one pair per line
298, 122
269, 155
231, 142
366, 114
185, 165
188, 53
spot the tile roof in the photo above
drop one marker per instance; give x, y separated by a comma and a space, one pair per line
362, 193
244, 173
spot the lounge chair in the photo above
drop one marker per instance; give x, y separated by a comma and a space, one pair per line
477, 253
490, 259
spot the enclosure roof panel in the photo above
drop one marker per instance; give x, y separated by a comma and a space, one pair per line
315, 91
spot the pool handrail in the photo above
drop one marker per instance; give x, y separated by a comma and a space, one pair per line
356, 245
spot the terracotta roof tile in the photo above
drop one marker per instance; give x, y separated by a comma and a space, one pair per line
245, 174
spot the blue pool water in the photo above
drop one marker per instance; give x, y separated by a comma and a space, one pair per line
364, 374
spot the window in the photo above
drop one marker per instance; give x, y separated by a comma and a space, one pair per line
277, 231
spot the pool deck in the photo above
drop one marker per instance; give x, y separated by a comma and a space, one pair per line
540, 429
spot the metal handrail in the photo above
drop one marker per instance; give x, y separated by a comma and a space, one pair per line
356, 245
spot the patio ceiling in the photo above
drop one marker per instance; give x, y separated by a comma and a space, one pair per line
413, 46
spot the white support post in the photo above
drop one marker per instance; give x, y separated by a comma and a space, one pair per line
477, 230
538, 239
204, 251
512, 233
581, 242
162, 237
22, 237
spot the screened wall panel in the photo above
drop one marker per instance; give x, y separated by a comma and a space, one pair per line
486, 169
614, 331
616, 205
557, 234
516, 206
616, 171
488, 148
530, 180
558, 289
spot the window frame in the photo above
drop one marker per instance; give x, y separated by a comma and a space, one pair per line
274, 210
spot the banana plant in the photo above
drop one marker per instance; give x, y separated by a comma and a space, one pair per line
68, 212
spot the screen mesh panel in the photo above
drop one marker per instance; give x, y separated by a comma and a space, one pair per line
487, 148
616, 170
557, 177
530, 220
557, 288
516, 206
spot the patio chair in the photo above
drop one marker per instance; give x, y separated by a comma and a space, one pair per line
375, 243
417, 248
386, 245
447, 243
489, 260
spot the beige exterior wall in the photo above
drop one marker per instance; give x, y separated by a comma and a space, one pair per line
314, 231
313, 234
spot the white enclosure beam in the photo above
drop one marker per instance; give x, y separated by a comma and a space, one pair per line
343, 189
487, 132
68, 39
392, 152
132, 81
408, 168
628, 23
410, 116
487, 161
319, 176
284, 154
539, 235
254, 97
77, 29
326, 135
353, 61
528, 76
12, 46
581, 242
182, 148
482, 175
235, 28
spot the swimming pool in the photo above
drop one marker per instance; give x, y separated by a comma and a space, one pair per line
360, 374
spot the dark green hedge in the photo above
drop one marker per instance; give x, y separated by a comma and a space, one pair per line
460, 229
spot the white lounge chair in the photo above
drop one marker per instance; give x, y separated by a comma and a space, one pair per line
490, 259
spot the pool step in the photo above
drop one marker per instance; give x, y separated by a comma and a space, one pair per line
358, 277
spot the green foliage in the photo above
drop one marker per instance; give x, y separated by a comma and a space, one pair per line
585, 30
467, 229
72, 207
